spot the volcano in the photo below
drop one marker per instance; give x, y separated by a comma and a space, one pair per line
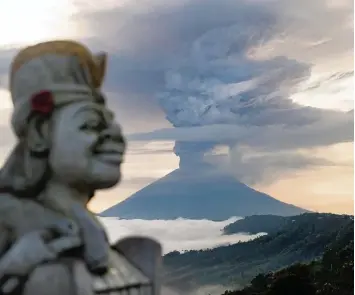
198, 194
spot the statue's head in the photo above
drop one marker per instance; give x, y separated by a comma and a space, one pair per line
64, 129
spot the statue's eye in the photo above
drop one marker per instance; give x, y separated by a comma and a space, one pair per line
92, 126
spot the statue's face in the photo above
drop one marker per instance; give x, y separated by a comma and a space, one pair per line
87, 146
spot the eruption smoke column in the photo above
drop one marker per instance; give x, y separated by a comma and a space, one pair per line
220, 83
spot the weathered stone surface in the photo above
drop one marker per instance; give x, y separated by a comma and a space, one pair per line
69, 146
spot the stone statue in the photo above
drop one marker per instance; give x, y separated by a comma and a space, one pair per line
68, 147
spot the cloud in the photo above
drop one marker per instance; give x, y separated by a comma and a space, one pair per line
258, 154
149, 39
263, 168
7, 136
138, 181
5, 59
187, 234
252, 73
249, 80
339, 128
149, 148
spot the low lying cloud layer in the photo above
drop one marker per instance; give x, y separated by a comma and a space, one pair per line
176, 235
179, 235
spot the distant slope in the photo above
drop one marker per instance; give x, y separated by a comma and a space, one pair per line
198, 194
257, 224
301, 239
332, 274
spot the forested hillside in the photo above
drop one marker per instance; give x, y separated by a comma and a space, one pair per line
333, 274
300, 239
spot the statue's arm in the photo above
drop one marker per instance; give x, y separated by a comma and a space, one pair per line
9, 282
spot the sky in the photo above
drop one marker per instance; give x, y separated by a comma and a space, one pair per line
263, 88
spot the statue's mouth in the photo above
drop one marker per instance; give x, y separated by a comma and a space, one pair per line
110, 152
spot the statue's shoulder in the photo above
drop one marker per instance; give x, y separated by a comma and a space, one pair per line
23, 215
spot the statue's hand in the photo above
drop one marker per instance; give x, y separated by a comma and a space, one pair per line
35, 248
30, 251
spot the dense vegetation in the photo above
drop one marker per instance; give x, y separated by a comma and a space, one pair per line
333, 274
299, 239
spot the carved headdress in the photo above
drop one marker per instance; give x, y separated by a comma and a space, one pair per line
58, 67
43, 78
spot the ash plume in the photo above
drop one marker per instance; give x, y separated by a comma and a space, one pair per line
227, 78
258, 76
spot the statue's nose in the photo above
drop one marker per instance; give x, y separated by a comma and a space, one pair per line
114, 133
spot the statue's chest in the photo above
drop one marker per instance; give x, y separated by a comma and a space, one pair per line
122, 279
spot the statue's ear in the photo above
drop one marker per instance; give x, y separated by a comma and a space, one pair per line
38, 137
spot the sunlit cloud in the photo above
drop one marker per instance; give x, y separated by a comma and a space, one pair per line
5, 101
327, 91
27, 22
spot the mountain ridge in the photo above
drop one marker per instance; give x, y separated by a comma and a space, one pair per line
332, 274
198, 194
301, 239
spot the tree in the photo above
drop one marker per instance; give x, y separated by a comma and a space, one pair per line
291, 284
